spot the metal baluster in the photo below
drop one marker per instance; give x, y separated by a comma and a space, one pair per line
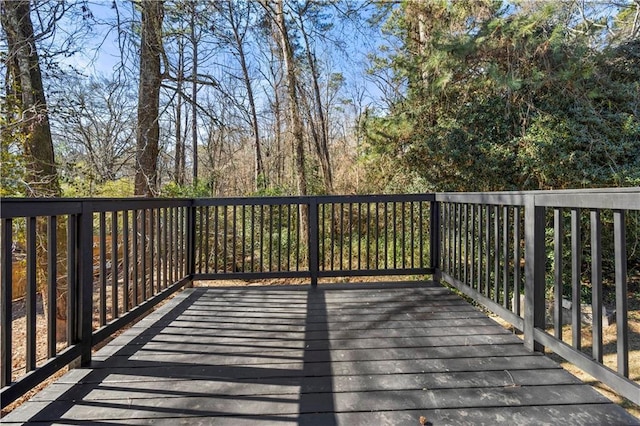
225, 239
152, 241
487, 281
622, 321
411, 238
30, 326
244, 238
114, 265
234, 238
279, 237
171, 244
558, 236
6, 308
289, 225
496, 254
596, 283
576, 260
333, 234
125, 261
359, 231
505, 256
207, 242
143, 253
480, 240
350, 235
472, 263
465, 235
270, 250
52, 276
395, 235
103, 268
386, 238
516, 260
253, 233
368, 229
421, 235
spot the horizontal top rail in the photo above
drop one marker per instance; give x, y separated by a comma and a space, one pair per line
506, 198
605, 198
614, 198
30, 207
319, 199
133, 204
629, 200
382, 198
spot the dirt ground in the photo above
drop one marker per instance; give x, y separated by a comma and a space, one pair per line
609, 358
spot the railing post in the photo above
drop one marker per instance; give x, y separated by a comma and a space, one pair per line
534, 238
6, 297
434, 239
191, 242
85, 287
313, 242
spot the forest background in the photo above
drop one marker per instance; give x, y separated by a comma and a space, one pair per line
273, 97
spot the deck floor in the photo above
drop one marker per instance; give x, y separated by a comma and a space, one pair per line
366, 354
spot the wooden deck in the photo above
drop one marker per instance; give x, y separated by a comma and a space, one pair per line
368, 354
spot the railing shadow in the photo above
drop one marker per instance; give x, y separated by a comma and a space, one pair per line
317, 352
152, 377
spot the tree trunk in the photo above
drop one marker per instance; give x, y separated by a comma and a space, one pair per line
27, 92
260, 178
194, 93
180, 148
148, 130
294, 107
322, 138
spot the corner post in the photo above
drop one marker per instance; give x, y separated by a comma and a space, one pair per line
313, 242
534, 269
84, 314
434, 236
191, 242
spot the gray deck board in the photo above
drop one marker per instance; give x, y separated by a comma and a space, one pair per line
338, 355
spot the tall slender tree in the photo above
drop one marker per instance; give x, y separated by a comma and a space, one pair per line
26, 104
148, 130
238, 19
194, 38
295, 118
179, 166
320, 128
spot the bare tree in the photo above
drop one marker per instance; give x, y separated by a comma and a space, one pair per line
276, 10
194, 38
93, 125
180, 169
320, 128
238, 19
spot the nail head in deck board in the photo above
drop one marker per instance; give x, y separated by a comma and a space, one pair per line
327, 363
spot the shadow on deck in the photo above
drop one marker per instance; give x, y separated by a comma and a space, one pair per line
367, 354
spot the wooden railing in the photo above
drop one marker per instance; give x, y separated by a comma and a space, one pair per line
508, 252
312, 237
91, 266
